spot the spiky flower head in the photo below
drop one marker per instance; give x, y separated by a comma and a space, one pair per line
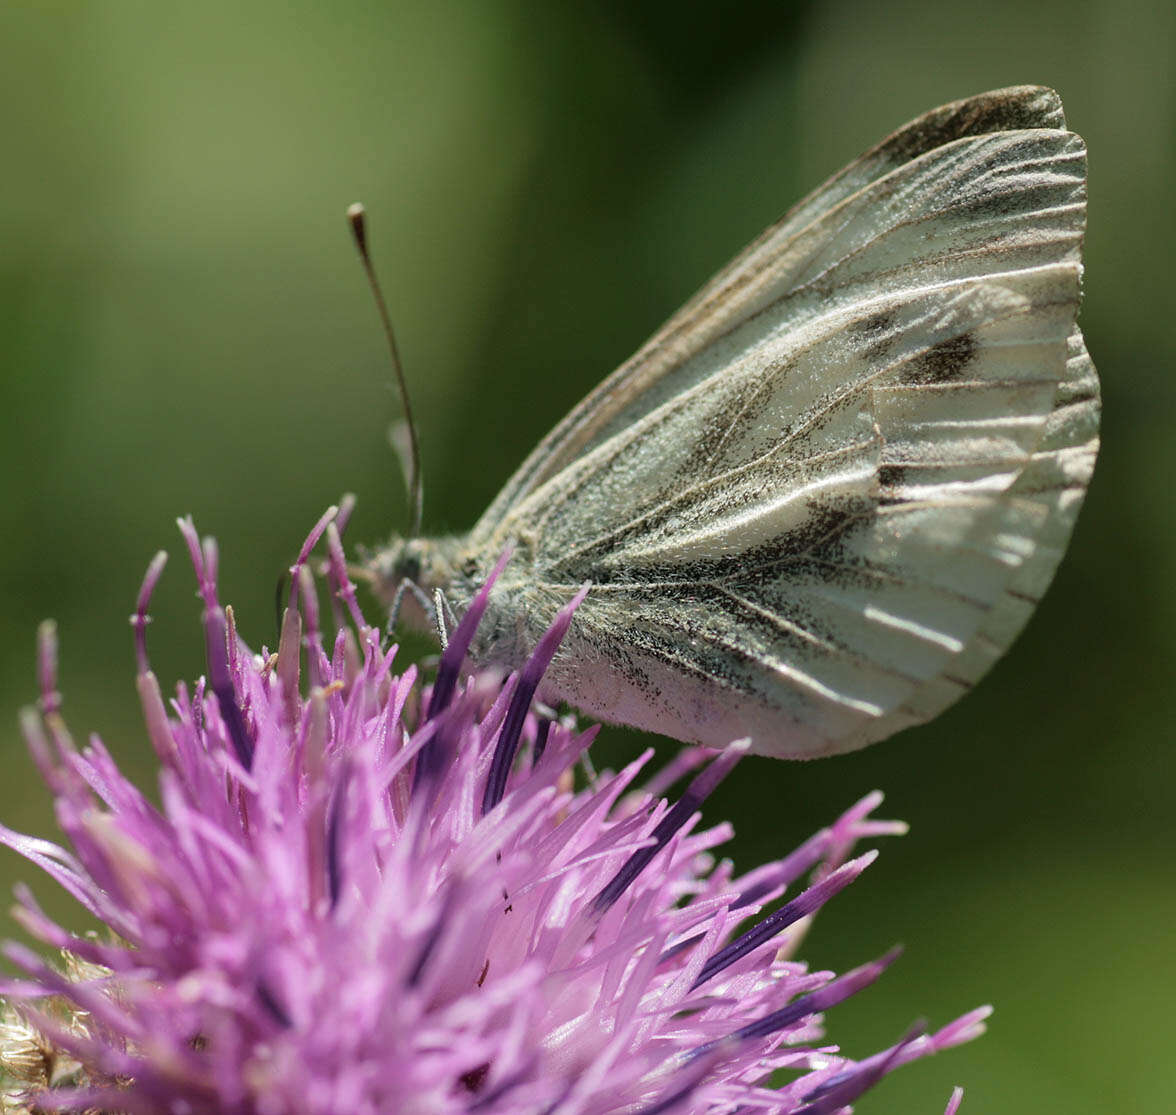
359, 893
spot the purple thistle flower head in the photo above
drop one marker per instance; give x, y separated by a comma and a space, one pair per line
363, 894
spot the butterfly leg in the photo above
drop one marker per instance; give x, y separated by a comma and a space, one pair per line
442, 613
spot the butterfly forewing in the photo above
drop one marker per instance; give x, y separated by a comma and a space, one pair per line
823, 498
766, 265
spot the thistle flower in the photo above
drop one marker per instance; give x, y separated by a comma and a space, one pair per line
363, 894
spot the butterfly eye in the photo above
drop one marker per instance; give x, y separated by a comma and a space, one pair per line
408, 565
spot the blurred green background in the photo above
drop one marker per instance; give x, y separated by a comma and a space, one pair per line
183, 328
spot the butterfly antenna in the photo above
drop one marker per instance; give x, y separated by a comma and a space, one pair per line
357, 219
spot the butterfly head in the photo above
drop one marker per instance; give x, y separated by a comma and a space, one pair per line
410, 570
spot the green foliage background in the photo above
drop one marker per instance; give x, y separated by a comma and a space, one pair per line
183, 328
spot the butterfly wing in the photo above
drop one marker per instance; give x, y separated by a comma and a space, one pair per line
822, 500
772, 265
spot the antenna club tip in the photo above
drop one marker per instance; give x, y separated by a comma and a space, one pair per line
357, 218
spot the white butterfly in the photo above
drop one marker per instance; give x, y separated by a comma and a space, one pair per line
823, 499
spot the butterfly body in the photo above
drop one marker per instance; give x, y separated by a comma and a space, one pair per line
825, 496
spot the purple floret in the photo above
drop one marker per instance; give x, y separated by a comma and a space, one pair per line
359, 893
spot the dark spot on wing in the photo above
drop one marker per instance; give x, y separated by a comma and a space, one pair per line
892, 484
875, 335
942, 362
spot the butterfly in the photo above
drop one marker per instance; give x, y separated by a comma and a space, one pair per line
821, 501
